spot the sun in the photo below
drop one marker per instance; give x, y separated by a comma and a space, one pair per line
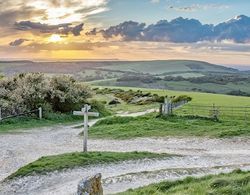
55, 38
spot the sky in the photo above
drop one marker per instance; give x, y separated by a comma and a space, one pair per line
217, 31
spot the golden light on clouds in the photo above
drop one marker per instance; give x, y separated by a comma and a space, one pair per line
86, 29
57, 12
55, 38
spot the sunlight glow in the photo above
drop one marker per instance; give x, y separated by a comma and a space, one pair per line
55, 38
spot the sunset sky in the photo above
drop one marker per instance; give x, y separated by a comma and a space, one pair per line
216, 31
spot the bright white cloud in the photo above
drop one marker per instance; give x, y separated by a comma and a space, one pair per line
51, 11
197, 7
155, 1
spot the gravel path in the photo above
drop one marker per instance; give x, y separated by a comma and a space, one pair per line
201, 156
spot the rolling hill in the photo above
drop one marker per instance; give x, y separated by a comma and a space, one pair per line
144, 67
168, 66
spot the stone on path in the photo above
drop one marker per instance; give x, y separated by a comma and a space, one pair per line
90, 186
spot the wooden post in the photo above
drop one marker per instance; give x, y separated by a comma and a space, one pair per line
1, 114
40, 113
85, 136
85, 112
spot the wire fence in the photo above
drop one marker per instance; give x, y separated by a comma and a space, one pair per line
14, 113
222, 112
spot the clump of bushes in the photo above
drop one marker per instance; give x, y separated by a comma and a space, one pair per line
212, 78
239, 93
26, 92
140, 98
181, 98
98, 106
131, 96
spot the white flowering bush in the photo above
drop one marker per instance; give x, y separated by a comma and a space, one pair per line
25, 92
66, 94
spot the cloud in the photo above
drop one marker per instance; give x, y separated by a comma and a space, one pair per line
73, 46
198, 7
236, 29
155, 1
180, 30
127, 30
50, 12
46, 28
18, 42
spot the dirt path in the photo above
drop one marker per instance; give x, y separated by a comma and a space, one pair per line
19, 149
202, 156
122, 176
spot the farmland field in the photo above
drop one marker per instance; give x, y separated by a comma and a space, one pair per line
207, 99
161, 67
202, 104
110, 72
180, 86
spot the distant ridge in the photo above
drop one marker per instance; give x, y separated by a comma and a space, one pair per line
16, 61
154, 67
167, 66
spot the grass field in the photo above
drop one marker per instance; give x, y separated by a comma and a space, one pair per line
166, 66
152, 126
14, 125
207, 99
75, 67
235, 183
180, 86
5, 65
232, 123
212, 87
80, 159
229, 107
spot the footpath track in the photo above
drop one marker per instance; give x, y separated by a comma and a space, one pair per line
200, 156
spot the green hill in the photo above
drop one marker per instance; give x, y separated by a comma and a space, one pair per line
167, 66
186, 68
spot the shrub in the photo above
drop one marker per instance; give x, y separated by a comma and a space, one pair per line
26, 92
23, 92
99, 107
66, 94
181, 98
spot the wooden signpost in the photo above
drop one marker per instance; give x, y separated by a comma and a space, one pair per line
166, 107
85, 112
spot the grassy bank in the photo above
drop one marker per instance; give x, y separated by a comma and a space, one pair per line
198, 98
153, 126
123, 106
79, 159
230, 107
15, 124
237, 182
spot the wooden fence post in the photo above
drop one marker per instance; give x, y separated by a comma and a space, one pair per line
40, 113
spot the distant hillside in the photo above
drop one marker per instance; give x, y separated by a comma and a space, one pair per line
151, 67
167, 66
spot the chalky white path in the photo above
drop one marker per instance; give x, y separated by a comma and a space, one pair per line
21, 148
203, 155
